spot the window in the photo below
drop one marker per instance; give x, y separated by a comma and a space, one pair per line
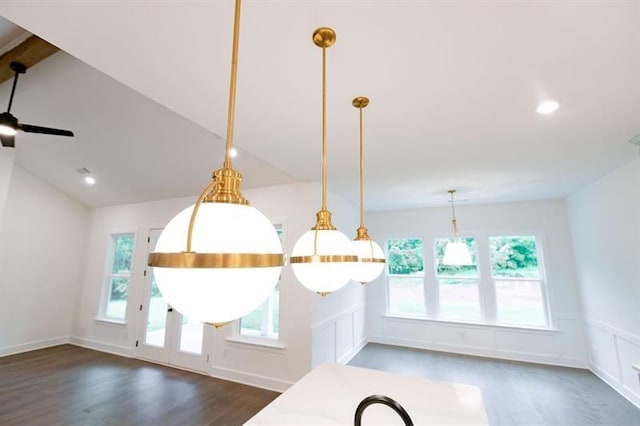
458, 286
406, 277
504, 285
518, 281
118, 276
265, 320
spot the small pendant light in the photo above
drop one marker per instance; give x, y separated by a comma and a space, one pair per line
322, 258
220, 258
456, 253
370, 256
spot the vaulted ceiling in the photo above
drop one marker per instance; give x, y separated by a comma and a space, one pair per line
453, 87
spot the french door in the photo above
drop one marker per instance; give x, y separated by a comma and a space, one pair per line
167, 336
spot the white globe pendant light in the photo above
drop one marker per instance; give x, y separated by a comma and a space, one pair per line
220, 258
370, 256
456, 253
323, 258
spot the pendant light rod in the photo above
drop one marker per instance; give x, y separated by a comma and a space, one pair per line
232, 86
361, 175
323, 38
324, 128
454, 221
361, 102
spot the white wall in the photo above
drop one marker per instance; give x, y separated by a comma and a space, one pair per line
41, 247
266, 367
7, 156
605, 227
339, 319
548, 221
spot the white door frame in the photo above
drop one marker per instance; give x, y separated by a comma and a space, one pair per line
169, 354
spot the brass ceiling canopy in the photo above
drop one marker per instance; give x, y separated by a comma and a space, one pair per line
324, 37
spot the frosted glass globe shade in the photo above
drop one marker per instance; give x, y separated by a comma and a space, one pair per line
456, 253
364, 272
323, 277
218, 295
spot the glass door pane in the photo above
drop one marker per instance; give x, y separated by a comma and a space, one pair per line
191, 336
157, 317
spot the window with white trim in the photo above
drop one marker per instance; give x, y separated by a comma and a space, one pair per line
458, 286
117, 276
518, 281
505, 285
405, 273
264, 322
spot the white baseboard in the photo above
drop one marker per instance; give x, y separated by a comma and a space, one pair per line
102, 347
609, 341
478, 352
614, 383
33, 346
352, 352
250, 379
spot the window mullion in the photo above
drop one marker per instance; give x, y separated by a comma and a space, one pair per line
430, 283
487, 285
267, 309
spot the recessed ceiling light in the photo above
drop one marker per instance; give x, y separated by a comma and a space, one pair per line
233, 153
87, 176
547, 107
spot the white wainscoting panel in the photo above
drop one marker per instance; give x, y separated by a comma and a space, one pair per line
612, 353
409, 330
570, 344
460, 336
520, 344
339, 338
524, 342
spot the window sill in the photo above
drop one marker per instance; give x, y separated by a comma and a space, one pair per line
266, 345
110, 321
472, 324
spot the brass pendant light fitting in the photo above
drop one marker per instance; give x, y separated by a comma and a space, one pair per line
225, 188
323, 37
362, 234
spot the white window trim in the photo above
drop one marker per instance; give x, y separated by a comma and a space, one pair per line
272, 343
481, 264
422, 275
101, 316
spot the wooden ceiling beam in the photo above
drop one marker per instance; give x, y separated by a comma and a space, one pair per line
29, 52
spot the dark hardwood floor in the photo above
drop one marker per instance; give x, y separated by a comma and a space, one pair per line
68, 385
514, 393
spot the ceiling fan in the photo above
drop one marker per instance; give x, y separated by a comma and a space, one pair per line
9, 125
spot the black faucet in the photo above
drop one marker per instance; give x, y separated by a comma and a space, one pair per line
381, 399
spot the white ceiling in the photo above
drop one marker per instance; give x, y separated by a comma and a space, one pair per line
453, 88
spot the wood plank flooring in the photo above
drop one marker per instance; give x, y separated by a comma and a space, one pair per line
515, 393
68, 385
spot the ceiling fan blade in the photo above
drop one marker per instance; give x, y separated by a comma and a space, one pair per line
8, 141
46, 130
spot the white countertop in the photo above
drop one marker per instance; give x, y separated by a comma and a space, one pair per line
330, 394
